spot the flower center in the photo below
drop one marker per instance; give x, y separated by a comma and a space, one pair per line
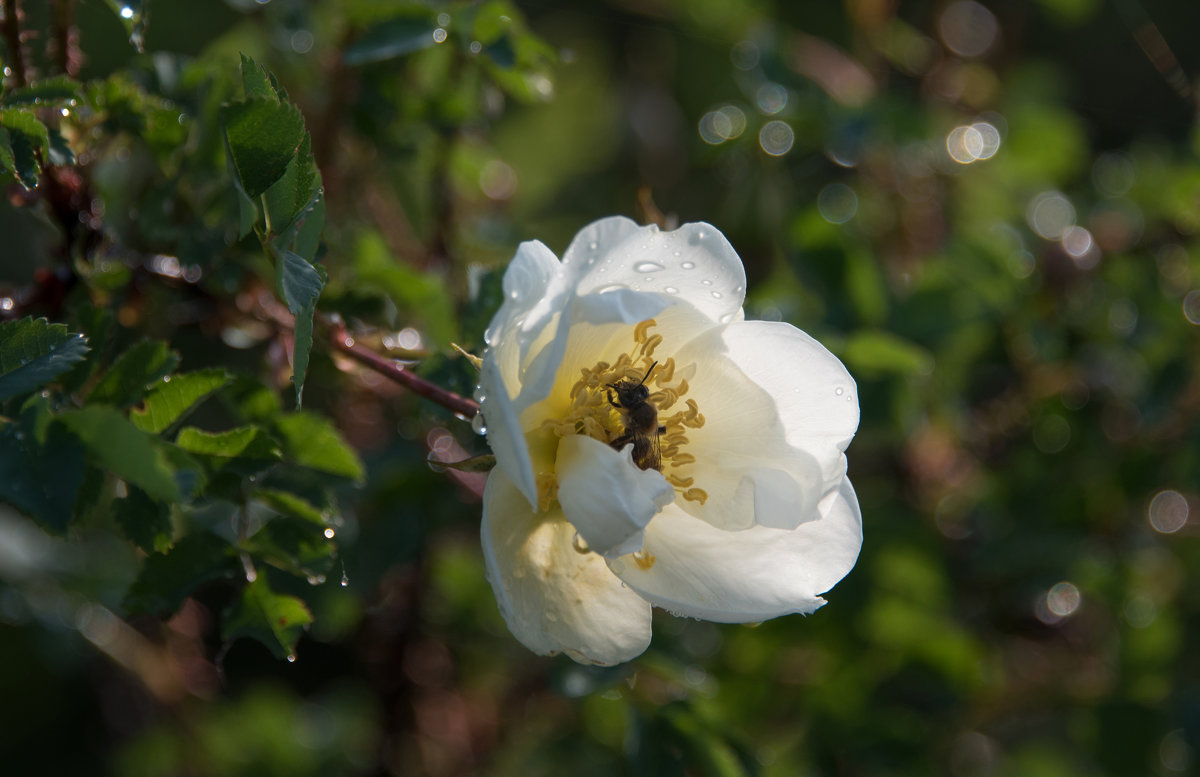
627, 402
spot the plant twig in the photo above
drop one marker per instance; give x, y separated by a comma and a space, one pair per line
343, 341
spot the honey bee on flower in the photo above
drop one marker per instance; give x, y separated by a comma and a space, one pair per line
654, 448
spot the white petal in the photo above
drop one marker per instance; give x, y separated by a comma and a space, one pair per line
554, 598
527, 284
604, 494
696, 570
815, 396
694, 263
504, 434
752, 475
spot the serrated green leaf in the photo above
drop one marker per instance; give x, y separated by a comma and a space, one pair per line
876, 352
123, 449
60, 153
169, 401
290, 199
8, 163
293, 545
52, 92
33, 352
275, 620
145, 522
263, 135
312, 441
41, 479
390, 39
255, 80
28, 138
164, 581
247, 442
300, 284
134, 372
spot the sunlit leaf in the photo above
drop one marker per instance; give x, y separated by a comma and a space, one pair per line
248, 442
276, 620
263, 136
312, 441
170, 400
123, 449
33, 352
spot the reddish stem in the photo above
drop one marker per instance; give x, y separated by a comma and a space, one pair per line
342, 341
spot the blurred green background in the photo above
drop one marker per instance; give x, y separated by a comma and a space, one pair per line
989, 211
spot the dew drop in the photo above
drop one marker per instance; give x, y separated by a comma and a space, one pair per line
677, 253
839, 391
688, 265
671, 290
592, 246
329, 534
477, 424
706, 282
166, 378
648, 267
716, 295
345, 581
291, 659
725, 319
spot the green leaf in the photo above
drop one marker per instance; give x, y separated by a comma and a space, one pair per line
290, 199
166, 580
52, 92
41, 478
60, 153
287, 503
390, 39
263, 136
312, 441
295, 546
256, 81
246, 442
8, 162
145, 522
170, 400
300, 284
276, 620
131, 375
27, 138
123, 449
33, 352
876, 352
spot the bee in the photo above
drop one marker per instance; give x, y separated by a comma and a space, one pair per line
641, 420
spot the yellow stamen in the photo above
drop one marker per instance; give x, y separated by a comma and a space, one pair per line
696, 495
643, 559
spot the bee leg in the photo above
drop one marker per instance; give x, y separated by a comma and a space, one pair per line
612, 401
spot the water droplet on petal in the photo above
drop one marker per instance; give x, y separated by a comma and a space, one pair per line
648, 267
688, 265
478, 425
592, 246
707, 282
671, 290
716, 295
839, 391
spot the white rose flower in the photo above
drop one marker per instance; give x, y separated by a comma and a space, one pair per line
732, 506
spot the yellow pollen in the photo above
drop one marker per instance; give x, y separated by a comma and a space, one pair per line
643, 559
591, 411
